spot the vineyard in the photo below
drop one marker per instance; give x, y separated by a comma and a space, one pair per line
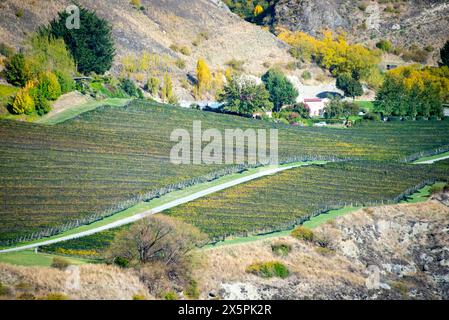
53, 178
279, 202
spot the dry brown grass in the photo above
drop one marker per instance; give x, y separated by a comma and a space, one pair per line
96, 282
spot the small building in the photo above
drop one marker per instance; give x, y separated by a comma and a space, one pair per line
315, 105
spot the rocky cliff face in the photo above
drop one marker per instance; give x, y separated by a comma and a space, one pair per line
420, 22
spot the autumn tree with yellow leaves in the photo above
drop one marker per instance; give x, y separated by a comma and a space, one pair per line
204, 76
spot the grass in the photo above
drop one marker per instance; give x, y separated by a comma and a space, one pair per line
367, 105
30, 258
432, 158
6, 92
75, 111
269, 269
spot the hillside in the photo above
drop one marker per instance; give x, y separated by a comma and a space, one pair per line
390, 252
60, 174
206, 27
404, 23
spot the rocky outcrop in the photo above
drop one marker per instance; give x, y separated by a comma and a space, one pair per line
391, 252
421, 22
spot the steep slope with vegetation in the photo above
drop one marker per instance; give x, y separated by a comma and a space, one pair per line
418, 25
202, 28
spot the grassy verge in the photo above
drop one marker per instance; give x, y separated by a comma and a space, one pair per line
30, 258
432, 158
79, 109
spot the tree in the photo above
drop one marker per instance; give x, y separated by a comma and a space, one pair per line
167, 90
350, 85
129, 87
444, 52
203, 75
23, 102
391, 99
91, 45
258, 10
152, 86
156, 239
17, 71
336, 108
245, 97
45, 53
48, 86
281, 90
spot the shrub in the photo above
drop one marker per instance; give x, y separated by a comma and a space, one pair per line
42, 105
56, 296
185, 51
23, 102
138, 297
325, 251
65, 81
49, 86
19, 13
236, 65
181, 64
171, 296
17, 71
6, 50
152, 86
384, 45
128, 86
372, 116
192, 291
121, 262
4, 290
91, 45
306, 75
269, 269
303, 233
59, 263
175, 47
281, 249
437, 188
26, 296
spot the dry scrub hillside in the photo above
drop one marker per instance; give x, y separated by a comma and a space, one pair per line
87, 282
206, 27
394, 252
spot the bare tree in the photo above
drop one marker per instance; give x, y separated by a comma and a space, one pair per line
158, 238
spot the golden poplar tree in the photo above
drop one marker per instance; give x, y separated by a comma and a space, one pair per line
258, 10
204, 76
